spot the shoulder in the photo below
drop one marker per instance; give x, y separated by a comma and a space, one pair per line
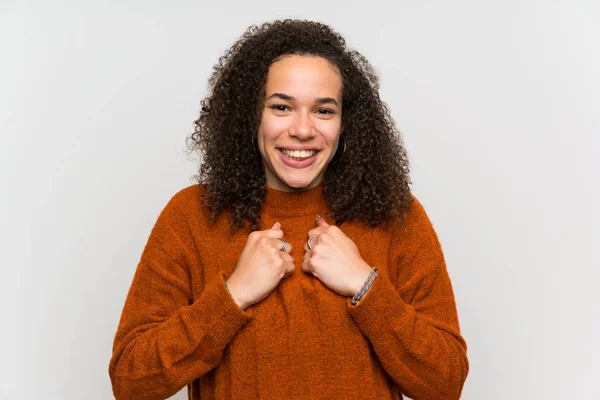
416, 225
185, 204
416, 214
188, 198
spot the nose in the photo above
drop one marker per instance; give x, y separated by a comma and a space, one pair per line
302, 127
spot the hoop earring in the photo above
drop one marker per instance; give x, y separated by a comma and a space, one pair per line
254, 146
343, 151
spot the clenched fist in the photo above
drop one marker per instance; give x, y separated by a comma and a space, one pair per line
260, 267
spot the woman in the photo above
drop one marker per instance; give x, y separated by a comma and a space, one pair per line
300, 266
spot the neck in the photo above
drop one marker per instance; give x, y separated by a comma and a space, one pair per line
294, 203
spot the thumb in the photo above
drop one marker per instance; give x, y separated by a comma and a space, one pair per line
321, 221
276, 225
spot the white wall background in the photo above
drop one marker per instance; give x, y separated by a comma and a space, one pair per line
500, 109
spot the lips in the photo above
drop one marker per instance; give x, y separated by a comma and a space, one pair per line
298, 154
297, 162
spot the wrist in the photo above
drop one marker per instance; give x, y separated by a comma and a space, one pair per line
234, 292
360, 280
365, 287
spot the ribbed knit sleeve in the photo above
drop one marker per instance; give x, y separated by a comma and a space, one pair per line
164, 339
414, 327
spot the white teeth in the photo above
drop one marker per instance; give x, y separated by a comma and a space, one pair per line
299, 153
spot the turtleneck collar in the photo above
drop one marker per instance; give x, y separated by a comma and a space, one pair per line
290, 204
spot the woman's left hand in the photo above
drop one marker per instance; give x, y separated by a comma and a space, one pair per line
335, 259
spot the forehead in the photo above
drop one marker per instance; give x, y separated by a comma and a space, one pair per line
304, 77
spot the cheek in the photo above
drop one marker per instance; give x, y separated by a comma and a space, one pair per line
330, 129
272, 126
331, 133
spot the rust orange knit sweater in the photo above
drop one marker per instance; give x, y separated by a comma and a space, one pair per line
180, 326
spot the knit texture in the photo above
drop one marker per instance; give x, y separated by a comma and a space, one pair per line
180, 326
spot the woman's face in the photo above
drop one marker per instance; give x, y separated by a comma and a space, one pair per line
301, 121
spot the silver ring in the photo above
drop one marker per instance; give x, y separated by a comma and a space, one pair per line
308, 243
284, 245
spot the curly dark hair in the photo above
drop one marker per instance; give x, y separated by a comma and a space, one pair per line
369, 182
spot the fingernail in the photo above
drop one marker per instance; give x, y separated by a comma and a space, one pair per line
318, 217
278, 225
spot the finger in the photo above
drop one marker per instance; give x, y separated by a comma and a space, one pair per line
316, 232
305, 266
287, 274
288, 249
289, 263
280, 245
288, 259
308, 254
291, 269
272, 233
313, 242
321, 221
276, 225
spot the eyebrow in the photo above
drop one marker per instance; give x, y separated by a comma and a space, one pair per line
320, 100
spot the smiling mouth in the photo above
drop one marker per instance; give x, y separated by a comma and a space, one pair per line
299, 154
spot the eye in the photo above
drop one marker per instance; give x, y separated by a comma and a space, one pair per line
325, 111
279, 107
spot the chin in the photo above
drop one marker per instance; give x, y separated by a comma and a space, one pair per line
299, 184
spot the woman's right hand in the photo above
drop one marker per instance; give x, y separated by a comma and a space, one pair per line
260, 268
